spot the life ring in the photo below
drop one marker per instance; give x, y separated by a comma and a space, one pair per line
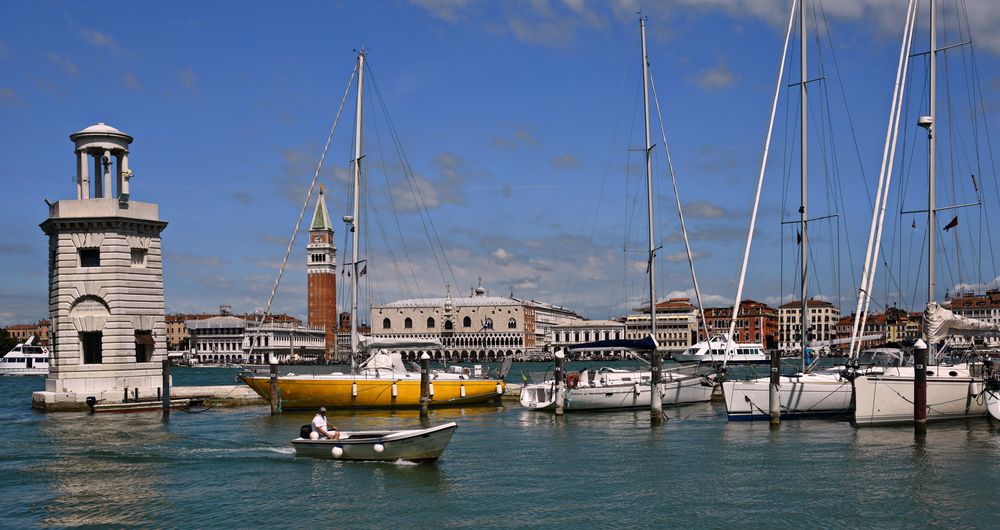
572, 380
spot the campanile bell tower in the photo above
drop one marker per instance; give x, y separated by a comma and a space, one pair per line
322, 272
105, 283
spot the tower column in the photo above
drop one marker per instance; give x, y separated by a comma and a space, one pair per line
82, 176
123, 174
108, 190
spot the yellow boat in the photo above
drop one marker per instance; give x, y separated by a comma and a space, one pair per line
383, 382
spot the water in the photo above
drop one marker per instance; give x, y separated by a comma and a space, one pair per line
505, 467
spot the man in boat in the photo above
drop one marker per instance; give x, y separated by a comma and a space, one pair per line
320, 426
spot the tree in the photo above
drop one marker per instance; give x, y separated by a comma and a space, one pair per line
7, 342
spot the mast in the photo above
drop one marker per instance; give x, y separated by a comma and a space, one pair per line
931, 156
804, 163
357, 201
656, 402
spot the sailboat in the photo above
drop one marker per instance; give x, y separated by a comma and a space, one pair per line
382, 381
933, 387
607, 388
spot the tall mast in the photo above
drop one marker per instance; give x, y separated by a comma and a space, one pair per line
804, 162
357, 202
656, 403
931, 224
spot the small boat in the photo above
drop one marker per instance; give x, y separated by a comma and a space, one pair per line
26, 359
720, 348
417, 445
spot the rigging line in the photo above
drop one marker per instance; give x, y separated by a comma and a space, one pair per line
302, 212
680, 211
424, 215
944, 250
392, 256
760, 182
395, 214
949, 112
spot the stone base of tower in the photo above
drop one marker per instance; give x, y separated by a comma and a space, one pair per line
70, 395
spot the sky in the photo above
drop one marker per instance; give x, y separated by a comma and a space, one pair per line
502, 143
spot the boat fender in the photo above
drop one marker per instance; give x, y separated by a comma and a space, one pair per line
430, 389
314, 436
500, 389
305, 430
354, 390
572, 380
337, 451
378, 448
635, 388
975, 388
395, 391
461, 391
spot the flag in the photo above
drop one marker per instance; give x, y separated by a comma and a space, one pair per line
914, 226
952, 224
798, 238
363, 271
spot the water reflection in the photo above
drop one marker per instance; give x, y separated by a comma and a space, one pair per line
101, 471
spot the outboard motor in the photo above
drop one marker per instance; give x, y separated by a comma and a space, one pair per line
305, 431
91, 401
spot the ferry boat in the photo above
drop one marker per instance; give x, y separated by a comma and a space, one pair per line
26, 359
715, 349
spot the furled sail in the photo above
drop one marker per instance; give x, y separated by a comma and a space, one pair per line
941, 322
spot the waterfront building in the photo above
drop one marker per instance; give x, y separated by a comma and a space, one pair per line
227, 339
984, 307
676, 325
823, 319
321, 268
581, 331
476, 327
23, 332
105, 282
757, 323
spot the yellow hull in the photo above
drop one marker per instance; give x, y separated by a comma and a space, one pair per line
304, 393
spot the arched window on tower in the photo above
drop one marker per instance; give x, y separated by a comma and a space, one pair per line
466, 322
430, 323
448, 326
511, 324
386, 324
408, 323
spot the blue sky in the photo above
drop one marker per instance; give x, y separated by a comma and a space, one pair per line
516, 119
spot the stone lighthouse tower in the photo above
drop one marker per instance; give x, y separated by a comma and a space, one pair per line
105, 282
322, 273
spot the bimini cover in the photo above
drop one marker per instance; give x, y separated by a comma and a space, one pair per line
942, 322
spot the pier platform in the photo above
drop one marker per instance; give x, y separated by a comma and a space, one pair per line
218, 395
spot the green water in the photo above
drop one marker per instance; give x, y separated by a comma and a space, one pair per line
505, 467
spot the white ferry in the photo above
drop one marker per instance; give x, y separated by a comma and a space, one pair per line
719, 349
26, 359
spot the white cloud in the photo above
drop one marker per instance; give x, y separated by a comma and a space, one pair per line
714, 78
188, 79
132, 81
64, 63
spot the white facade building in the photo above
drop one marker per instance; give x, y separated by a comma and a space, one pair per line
583, 331
228, 340
476, 327
823, 318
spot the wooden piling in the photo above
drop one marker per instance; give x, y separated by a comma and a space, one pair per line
921, 353
774, 391
275, 393
560, 388
425, 385
166, 388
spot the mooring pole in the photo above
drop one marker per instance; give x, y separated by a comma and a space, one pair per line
774, 392
920, 351
425, 385
166, 388
275, 391
560, 382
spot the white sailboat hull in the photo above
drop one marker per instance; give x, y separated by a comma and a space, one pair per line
541, 396
993, 404
887, 399
809, 395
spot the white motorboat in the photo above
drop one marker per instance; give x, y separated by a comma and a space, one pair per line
416, 445
719, 348
26, 359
